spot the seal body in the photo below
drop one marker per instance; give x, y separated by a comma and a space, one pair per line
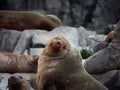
18, 83
60, 68
13, 63
104, 43
21, 20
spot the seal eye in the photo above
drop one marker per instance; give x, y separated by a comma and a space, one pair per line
64, 47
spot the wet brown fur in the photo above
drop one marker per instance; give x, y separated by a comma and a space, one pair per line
60, 68
21, 20
110, 36
13, 63
18, 83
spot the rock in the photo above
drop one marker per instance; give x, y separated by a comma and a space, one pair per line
4, 81
25, 41
103, 44
69, 32
35, 51
54, 5
84, 37
8, 39
107, 59
103, 61
99, 46
97, 42
105, 13
26, 52
39, 38
97, 38
105, 77
110, 79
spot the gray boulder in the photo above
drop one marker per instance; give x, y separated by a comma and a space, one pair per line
107, 59
69, 32
110, 79
39, 38
97, 38
35, 51
25, 41
8, 39
105, 13
4, 81
84, 37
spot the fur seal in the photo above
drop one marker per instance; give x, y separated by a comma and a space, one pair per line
110, 37
18, 83
106, 59
104, 43
13, 63
60, 68
21, 20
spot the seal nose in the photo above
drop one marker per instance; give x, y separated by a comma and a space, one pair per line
56, 45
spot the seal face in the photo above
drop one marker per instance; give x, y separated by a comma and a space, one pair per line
18, 83
60, 68
14, 83
57, 45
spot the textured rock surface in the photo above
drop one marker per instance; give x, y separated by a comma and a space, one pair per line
35, 51
84, 35
97, 38
39, 38
110, 79
69, 32
21, 42
8, 39
4, 81
25, 41
106, 12
107, 59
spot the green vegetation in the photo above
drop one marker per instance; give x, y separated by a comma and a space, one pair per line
100, 31
86, 53
42, 46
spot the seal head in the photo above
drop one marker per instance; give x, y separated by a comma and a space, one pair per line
57, 45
